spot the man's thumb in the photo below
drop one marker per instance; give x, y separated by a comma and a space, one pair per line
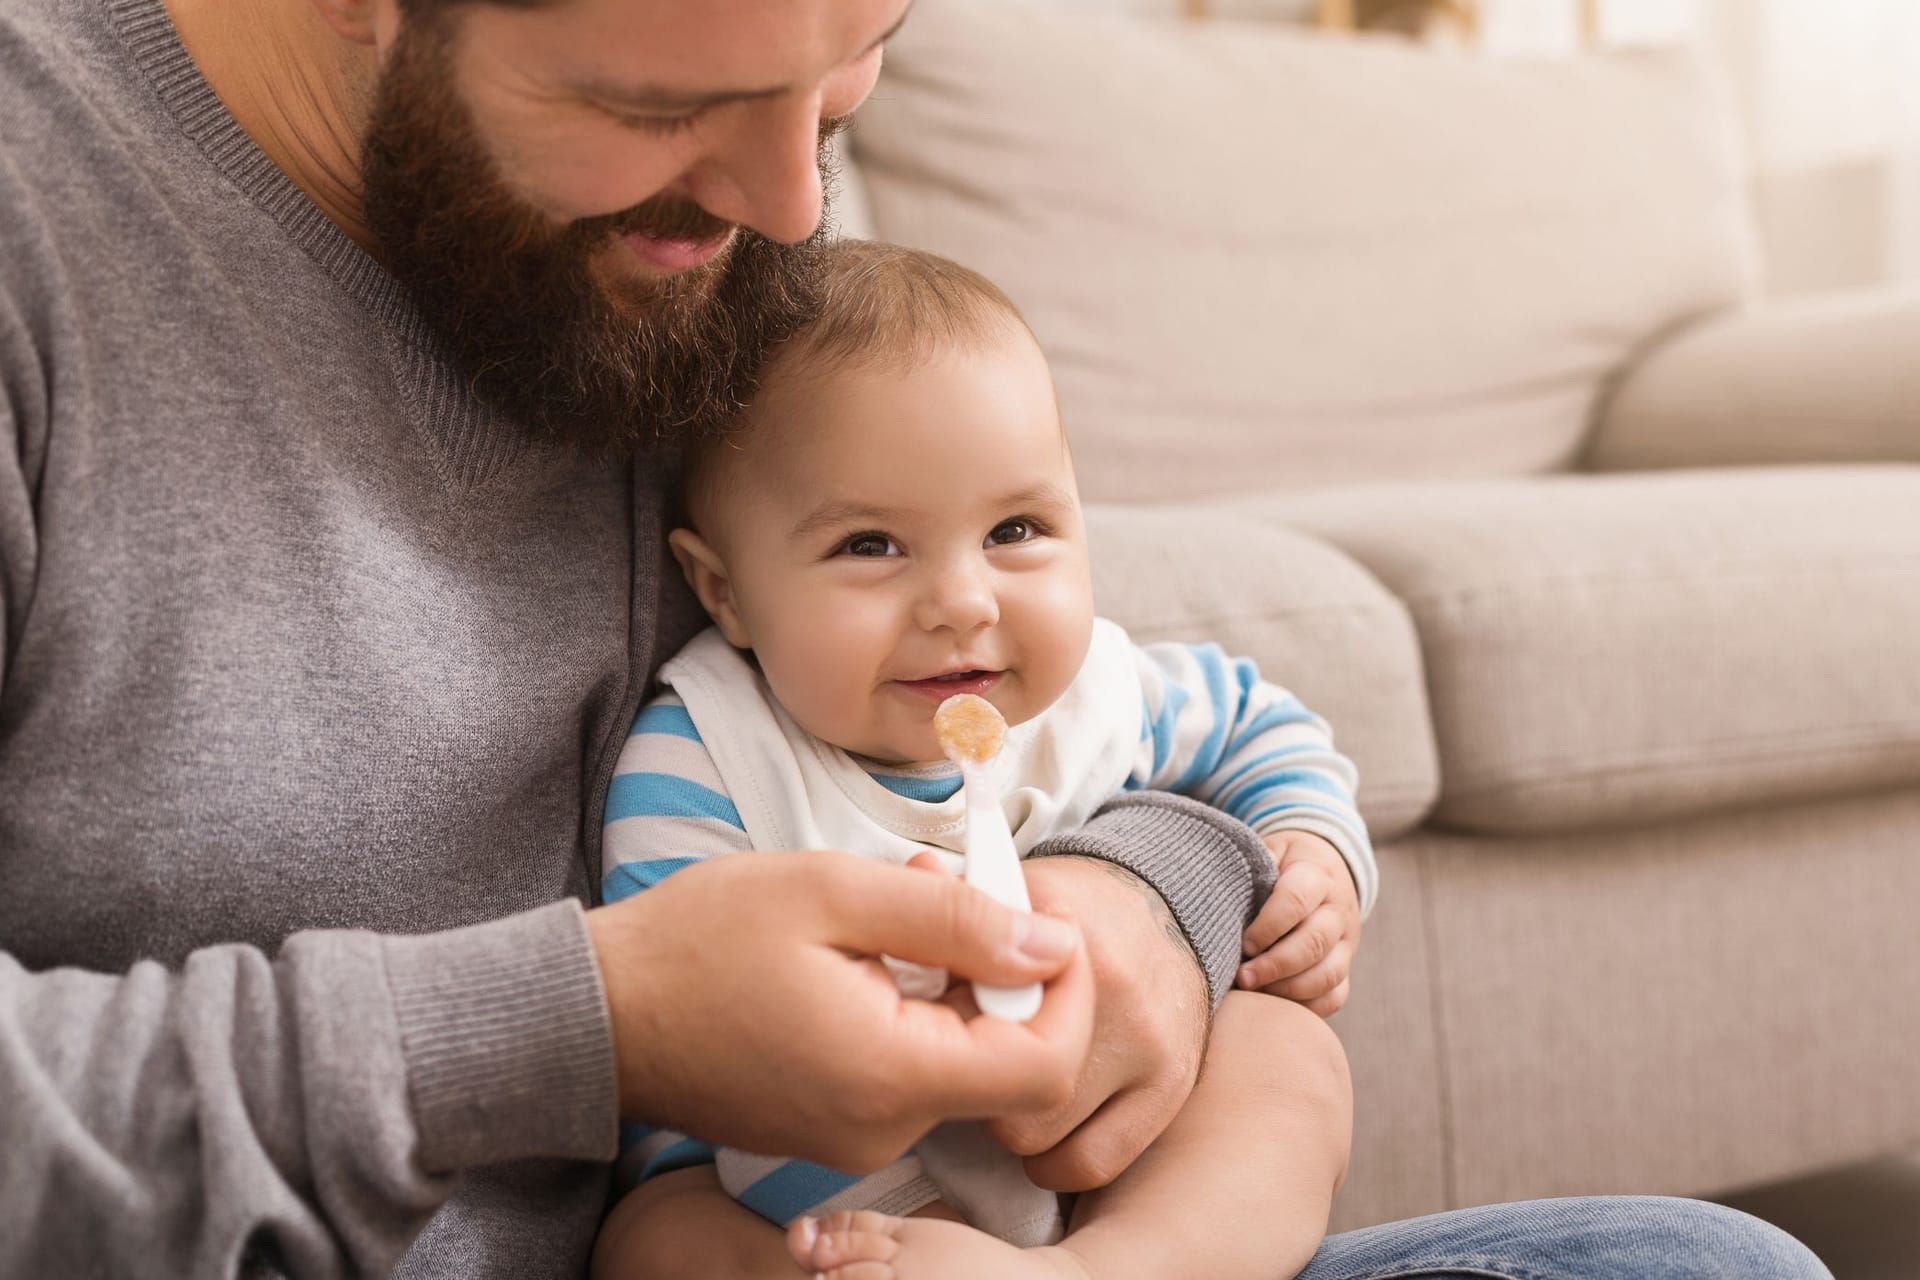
942, 921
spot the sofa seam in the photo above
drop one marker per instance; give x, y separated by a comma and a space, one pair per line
1677, 759
1436, 1010
1769, 572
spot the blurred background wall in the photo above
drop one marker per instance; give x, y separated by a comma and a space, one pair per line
1829, 90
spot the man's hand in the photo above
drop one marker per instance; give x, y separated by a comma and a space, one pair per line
1149, 1029
747, 1006
1303, 940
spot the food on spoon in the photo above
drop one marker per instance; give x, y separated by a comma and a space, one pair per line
970, 729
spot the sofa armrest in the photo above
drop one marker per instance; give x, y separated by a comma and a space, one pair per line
1825, 380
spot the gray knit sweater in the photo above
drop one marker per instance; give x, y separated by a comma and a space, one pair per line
313, 674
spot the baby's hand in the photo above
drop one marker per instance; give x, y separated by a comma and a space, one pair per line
1303, 940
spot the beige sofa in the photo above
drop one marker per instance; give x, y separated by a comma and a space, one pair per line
1438, 385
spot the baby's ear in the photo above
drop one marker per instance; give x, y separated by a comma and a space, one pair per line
707, 574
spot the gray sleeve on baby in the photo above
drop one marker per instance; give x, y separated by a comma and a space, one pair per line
1211, 870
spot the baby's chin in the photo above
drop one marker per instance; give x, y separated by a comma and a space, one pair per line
886, 738
896, 755
920, 751
913, 748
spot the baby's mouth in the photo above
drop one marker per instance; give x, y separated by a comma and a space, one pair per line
941, 687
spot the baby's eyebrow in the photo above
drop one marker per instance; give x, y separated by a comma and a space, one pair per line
1044, 494
839, 514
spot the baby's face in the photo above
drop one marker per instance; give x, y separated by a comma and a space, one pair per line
892, 538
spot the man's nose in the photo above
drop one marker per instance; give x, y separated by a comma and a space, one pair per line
957, 597
766, 173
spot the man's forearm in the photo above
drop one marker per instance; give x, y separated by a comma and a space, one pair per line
163, 1123
1210, 871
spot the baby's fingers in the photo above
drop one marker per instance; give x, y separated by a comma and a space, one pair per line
1323, 988
1301, 889
1316, 940
1331, 1003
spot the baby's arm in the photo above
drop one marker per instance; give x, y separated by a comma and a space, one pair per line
1218, 733
667, 808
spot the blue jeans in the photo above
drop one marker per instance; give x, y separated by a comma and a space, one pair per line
1585, 1238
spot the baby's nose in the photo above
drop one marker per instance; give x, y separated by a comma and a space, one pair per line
960, 599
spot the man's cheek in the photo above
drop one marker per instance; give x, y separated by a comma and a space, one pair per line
583, 167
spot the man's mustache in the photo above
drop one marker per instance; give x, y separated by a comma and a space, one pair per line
659, 218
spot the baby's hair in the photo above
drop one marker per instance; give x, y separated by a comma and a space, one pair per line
887, 305
881, 306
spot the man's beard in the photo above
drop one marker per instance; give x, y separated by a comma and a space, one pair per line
514, 298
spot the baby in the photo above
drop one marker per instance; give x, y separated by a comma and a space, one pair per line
893, 521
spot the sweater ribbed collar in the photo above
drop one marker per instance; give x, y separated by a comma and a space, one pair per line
476, 443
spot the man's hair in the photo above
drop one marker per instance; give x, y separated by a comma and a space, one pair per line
878, 306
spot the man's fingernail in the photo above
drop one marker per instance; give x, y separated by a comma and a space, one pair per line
1045, 938
809, 1232
1246, 977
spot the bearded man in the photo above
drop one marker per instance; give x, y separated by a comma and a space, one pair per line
342, 343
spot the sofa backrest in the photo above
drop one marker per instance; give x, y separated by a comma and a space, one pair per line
1261, 258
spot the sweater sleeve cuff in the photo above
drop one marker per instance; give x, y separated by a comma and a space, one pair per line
508, 1046
1210, 869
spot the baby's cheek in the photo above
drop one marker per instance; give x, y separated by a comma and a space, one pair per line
1057, 648
1046, 689
819, 676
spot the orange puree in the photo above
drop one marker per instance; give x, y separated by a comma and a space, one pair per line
969, 728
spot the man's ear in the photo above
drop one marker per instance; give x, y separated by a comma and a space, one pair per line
358, 21
707, 575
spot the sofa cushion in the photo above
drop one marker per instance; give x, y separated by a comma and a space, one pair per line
1800, 380
1605, 650
1315, 621
1671, 1011
1259, 257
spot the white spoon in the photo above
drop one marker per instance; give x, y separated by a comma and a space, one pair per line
970, 731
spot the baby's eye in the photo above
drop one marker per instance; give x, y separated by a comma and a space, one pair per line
1009, 532
869, 544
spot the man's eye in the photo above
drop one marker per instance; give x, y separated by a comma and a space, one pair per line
661, 126
1008, 532
869, 544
